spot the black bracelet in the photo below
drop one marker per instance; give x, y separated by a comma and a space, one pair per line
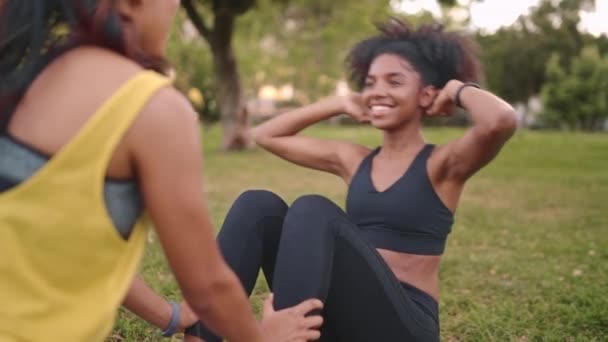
468, 84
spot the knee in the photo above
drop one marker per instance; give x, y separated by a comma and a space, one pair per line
262, 202
310, 222
313, 206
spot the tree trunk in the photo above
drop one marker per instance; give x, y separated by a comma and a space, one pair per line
229, 93
230, 99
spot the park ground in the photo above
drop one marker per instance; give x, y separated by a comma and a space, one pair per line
527, 259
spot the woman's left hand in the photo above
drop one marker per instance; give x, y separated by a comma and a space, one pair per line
444, 103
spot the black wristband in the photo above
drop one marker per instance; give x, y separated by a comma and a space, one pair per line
194, 330
468, 84
200, 331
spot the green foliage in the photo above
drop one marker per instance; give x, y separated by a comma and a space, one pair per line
193, 69
515, 57
577, 97
510, 60
234, 7
303, 42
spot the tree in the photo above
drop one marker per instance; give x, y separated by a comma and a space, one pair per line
193, 61
304, 42
218, 36
576, 97
516, 57
215, 20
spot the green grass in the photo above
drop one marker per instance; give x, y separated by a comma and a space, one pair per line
527, 259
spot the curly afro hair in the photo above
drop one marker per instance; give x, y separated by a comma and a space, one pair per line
438, 56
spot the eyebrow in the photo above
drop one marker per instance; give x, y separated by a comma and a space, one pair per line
392, 74
407, 66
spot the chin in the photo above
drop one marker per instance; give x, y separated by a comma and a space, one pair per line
384, 125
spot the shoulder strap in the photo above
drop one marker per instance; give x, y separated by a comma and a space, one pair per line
419, 162
366, 162
426, 151
362, 169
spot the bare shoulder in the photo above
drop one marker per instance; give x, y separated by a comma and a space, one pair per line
99, 62
168, 112
351, 156
165, 134
356, 152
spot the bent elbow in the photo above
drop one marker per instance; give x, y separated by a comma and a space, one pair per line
259, 136
505, 123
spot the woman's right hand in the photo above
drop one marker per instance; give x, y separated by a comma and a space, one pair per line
355, 108
291, 324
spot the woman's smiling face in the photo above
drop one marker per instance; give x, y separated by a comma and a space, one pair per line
391, 92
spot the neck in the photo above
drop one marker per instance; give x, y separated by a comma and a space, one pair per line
406, 138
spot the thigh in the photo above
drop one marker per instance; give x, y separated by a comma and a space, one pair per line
366, 302
250, 234
249, 240
304, 260
323, 255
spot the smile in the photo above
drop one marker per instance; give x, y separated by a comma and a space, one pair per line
379, 110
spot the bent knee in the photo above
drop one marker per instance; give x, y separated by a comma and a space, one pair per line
264, 202
314, 206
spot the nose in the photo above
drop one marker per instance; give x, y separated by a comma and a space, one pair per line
376, 91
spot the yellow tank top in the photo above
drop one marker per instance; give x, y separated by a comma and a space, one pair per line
64, 269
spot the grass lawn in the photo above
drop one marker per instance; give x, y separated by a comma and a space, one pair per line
527, 259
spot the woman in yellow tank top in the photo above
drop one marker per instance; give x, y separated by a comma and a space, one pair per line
75, 93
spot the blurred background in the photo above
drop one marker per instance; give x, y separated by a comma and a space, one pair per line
528, 256
242, 61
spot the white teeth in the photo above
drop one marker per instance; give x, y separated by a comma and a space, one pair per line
379, 109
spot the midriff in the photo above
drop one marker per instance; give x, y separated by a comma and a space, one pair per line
421, 271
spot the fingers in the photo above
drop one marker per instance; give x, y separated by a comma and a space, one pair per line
357, 99
307, 335
364, 119
313, 322
268, 304
308, 306
442, 105
359, 114
309, 328
311, 335
437, 104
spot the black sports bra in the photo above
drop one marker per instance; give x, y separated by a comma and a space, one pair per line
407, 217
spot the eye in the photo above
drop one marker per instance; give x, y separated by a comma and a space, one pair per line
368, 83
395, 82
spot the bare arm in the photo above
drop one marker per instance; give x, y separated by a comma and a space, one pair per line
144, 302
279, 136
147, 304
290, 324
494, 123
166, 151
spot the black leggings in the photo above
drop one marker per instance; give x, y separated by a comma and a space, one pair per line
312, 250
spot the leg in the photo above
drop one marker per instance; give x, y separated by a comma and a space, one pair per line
321, 255
249, 241
249, 237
